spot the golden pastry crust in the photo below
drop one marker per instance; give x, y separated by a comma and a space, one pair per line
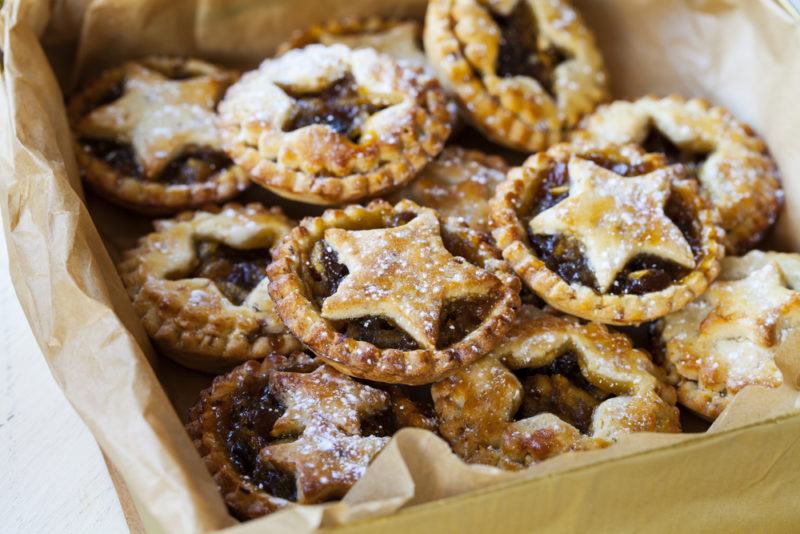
329, 125
459, 183
199, 285
145, 138
732, 164
582, 388
737, 333
400, 269
398, 38
290, 429
208, 429
611, 249
522, 71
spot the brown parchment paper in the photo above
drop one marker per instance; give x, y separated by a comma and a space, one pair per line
743, 54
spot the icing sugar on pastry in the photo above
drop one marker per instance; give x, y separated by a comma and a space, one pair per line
615, 219
404, 274
735, 334
327, 124
160, 117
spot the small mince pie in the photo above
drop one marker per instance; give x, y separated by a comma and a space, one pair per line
610, 234
288, 429
522, 70
555, 385
329, 125
400, 39
732, 164
199, 285
145, 135
459, 184
392, 294
739, 333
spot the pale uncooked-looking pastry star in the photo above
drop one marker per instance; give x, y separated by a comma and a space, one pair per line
615, 218
159, 117
404, 274
323, 397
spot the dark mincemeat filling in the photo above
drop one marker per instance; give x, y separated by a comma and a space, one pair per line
339, 106
247, 429
235, 272
457, 319
562, 254
196, 165
657, 142
520, 54
560, 389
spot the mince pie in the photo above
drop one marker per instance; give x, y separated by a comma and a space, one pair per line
199, 285
328, 125
145, 135
522, 70
459, 184
392, 294
555, 385
288, 429
730, 161
737, 334
400, 39
610, 234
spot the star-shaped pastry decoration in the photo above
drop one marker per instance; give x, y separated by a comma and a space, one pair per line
324, 397
159, 117
404, 274
325, 463
615, 219
752, 307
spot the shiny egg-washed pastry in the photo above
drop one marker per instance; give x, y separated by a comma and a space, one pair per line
459, 183
145, 135
331, 125
555, 385
392, 293
521, 70
610, 234
199, 286
289, 429
732, 164
737, 333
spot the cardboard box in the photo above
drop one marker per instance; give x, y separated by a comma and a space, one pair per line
743, 474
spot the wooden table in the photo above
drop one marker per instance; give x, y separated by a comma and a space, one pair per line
54, 478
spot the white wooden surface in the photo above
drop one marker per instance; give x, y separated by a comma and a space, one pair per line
52, 475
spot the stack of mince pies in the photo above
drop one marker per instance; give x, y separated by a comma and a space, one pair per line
491, 299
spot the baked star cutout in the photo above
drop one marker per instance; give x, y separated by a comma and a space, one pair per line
404, 274
323, 397
325, 464
615, 218
159, 117
752, 307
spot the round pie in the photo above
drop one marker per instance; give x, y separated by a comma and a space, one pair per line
459, 183
288, 429
610, 234
328, 125
145, 135
555, 385
400, 39
732, 164
199, 285
737, 334
392, 294
522, 70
